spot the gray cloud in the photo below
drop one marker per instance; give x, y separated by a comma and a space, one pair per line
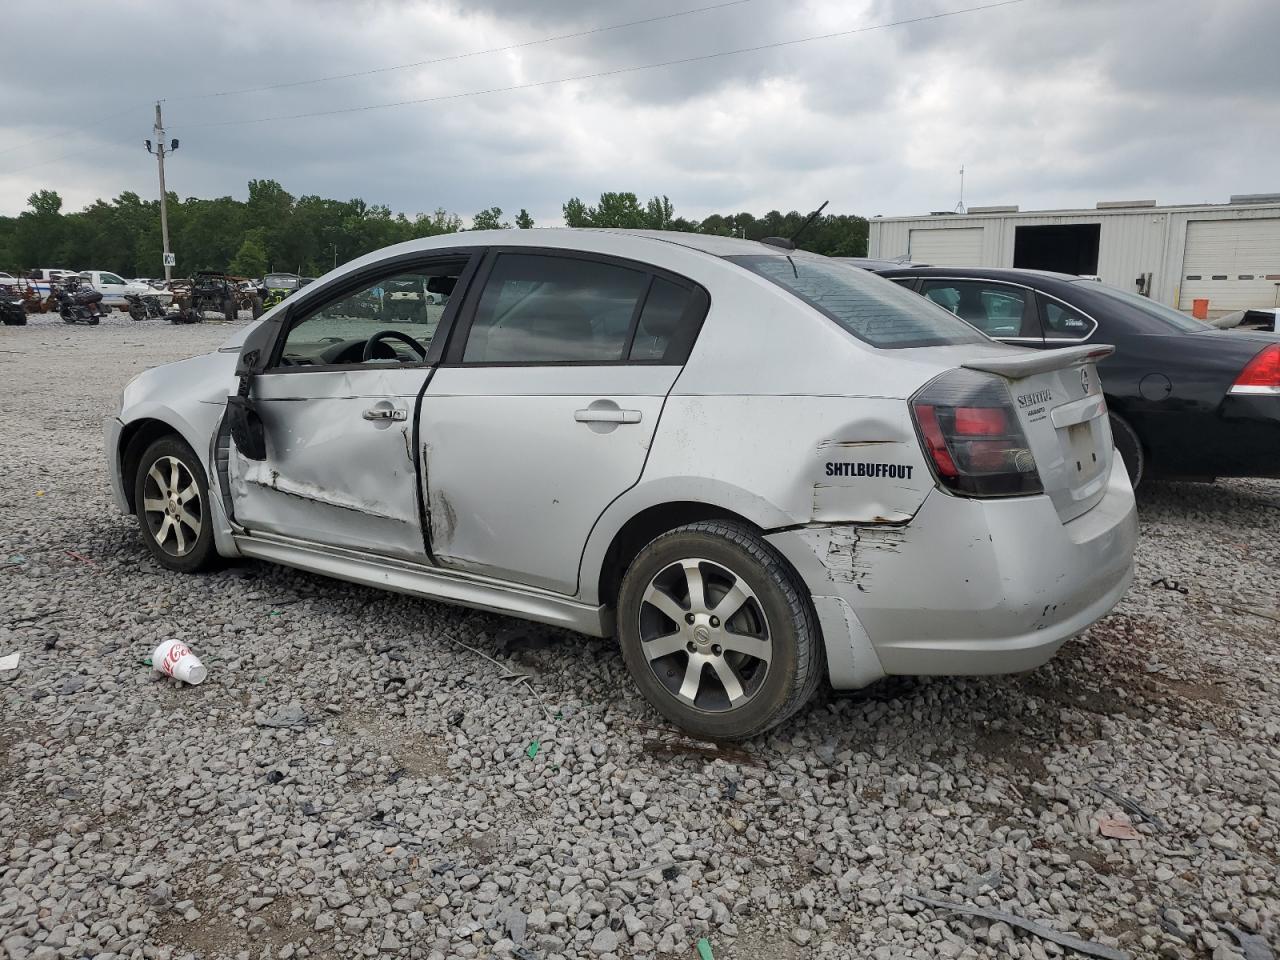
1047, 103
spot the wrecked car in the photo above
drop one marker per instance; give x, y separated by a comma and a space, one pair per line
757, 468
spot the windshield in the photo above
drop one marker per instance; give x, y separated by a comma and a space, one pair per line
1174, 318
871, 308
281, 281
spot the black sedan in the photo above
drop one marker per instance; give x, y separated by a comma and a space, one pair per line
1187, 400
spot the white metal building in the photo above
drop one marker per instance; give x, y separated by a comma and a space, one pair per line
1226, 253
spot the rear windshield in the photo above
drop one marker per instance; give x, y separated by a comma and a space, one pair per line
1151, 308
280, 281
871, 308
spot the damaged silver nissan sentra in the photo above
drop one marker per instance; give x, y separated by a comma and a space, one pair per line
754, 466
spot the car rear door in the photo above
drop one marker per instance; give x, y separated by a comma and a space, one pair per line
339, 468
545, 408
1002, 310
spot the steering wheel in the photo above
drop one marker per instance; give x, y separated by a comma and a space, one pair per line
371, 344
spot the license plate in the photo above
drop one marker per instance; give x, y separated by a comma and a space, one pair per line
1083, 451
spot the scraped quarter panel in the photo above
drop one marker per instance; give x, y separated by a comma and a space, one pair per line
827, 460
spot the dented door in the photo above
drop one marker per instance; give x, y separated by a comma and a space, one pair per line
519, 462
340, 468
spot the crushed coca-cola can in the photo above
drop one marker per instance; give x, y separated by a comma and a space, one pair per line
175, 659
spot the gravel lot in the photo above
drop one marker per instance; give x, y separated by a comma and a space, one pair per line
405, 811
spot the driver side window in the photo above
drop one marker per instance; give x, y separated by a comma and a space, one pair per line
404, 308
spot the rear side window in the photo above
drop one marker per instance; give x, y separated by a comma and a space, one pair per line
538, 308
997, 309
871, 308
1061, 322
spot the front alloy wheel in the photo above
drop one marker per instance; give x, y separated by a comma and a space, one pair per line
718, 631
172, 506
171, 499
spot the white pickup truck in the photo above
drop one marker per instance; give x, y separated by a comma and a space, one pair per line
113, 288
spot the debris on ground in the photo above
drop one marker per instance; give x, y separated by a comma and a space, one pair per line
704, 949
1118, 828
531, 751
1170, 585
1130, 807
175, 659
10, 662
1252, 946
1088, 947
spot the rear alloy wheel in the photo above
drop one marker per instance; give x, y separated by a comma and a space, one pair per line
1130, 447
171, 500
716, 631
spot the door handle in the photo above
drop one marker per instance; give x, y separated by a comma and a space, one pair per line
606, 415
385, 413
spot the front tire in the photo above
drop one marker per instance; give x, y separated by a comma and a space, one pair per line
717, 631
1129, 444
171, 502
137, 311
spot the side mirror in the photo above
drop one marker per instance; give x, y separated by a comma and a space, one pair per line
255, 352
246, 428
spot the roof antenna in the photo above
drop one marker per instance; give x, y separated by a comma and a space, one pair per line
789, 243
960, 205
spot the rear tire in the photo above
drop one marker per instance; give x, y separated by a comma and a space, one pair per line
722, 680
229, 310
255, 307
1129, 444
137, 311
170, 479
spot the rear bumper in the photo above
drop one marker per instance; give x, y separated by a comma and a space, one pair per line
969, 586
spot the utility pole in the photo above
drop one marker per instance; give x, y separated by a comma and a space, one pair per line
160, 151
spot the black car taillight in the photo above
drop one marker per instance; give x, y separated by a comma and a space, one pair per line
971, 433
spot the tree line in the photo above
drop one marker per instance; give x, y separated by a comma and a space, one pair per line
273, 230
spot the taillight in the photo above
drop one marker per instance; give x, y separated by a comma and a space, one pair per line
1261, 374
971, 433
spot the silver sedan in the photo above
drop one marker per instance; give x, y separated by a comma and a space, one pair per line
756, 467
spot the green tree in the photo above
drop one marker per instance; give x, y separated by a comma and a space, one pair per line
251, 259
523, 220
575, 213
435, 224
45, 203
490, 219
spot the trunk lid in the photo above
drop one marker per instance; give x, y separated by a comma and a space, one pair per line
1057, 397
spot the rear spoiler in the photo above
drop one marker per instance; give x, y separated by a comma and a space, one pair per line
1041, 361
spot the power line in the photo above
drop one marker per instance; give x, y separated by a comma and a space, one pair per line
80, 126
612, 73
52, 160
463, 56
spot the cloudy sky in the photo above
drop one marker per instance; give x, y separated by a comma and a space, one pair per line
1046, 103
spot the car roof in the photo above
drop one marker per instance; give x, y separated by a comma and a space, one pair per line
580, 238
1012, 274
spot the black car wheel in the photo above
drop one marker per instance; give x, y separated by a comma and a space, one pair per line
1130, 447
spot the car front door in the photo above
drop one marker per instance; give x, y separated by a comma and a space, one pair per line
112, 288
546, 406
337, 402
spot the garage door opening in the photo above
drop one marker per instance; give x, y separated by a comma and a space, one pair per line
1063, 248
